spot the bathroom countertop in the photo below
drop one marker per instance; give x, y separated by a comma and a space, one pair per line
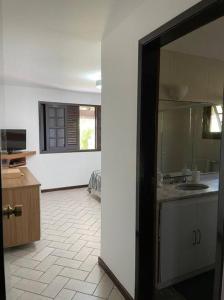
169, 192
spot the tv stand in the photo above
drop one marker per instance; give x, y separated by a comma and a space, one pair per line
13, 152
16, 159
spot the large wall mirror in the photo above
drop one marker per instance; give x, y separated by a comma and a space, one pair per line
196, 126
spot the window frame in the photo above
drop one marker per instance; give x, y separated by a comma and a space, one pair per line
43, 122
206, 133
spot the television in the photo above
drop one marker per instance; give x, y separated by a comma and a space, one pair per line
13, 140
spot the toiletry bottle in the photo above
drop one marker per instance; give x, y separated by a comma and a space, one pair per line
196, 176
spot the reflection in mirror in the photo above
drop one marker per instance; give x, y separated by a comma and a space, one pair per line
188, 160
197, 127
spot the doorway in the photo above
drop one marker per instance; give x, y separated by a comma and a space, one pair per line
150, 49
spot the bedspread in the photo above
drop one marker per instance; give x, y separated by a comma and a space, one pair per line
95, 181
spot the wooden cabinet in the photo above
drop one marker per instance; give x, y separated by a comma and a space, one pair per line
187, 242
23, 191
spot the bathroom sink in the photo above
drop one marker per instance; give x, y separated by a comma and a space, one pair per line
192, 186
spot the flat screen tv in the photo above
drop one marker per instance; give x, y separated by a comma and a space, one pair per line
13, 140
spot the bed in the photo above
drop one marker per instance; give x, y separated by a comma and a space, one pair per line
95, 183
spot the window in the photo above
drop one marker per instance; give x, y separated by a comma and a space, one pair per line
69, 127
212, 122
87, 127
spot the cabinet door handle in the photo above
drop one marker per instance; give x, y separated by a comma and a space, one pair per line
194, 238
16, 211
198, 236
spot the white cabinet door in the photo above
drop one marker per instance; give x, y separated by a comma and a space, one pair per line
177, 249
207, 216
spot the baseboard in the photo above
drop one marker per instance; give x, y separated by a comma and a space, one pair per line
110, 274
64, 188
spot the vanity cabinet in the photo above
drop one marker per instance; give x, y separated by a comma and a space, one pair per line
187, 237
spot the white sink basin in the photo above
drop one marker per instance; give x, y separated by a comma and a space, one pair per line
192, 186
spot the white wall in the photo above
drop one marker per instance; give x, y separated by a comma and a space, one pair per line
119, 130
203, 76
52, 170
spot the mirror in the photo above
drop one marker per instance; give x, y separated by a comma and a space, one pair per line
192, 125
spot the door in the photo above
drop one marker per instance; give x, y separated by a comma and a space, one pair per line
207, 212
177, 239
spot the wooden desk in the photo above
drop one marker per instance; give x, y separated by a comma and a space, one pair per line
23, 191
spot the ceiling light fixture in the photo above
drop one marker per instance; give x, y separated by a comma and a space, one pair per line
175, 91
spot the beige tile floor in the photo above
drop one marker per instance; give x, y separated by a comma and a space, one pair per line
63, 264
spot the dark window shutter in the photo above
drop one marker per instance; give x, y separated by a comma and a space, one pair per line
60, 127
42, 127
98, 127
72, 127
55, 127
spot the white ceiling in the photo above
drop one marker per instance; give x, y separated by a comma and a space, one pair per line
208, 41
57, 43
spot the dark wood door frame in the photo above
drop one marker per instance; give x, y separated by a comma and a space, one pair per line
148, 92
2, 268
